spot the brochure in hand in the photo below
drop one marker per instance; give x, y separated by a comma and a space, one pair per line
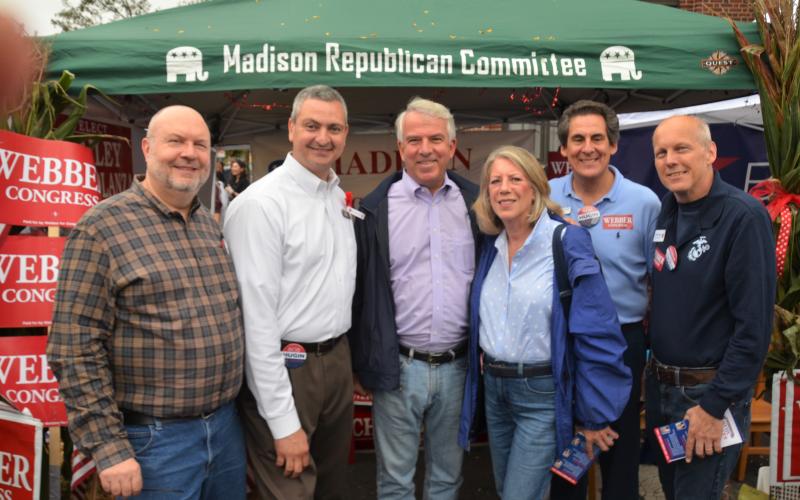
573, 462
672, 437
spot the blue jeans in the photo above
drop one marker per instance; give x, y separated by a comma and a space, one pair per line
521, 419
704, 478
198, 458
429, 396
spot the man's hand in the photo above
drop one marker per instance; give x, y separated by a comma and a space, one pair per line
603, 438
360, 388
705, 434
292, 452
122, 479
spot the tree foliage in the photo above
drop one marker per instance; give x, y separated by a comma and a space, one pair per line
84, 13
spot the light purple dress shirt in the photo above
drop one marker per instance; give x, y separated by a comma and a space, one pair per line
431, 263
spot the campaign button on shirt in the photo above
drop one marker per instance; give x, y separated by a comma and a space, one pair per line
294, 355
658, 259
672, 258
588, 216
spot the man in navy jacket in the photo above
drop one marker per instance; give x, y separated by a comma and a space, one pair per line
416, 258
713, 293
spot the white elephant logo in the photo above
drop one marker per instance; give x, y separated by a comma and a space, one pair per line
619, 60
186, 61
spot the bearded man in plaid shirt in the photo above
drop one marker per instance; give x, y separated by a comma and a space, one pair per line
147, 340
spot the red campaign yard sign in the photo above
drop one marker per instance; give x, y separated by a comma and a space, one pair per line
20, 456
362, 422
557, 165
784, 460
45, 183
26, 380
28, 275
113, 159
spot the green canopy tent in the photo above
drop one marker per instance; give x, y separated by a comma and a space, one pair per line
507, 60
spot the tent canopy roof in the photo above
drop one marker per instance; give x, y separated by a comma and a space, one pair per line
506, 60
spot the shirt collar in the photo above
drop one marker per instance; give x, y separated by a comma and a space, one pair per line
710, 212
158, 204
412, 187
306, 179
540, 230
611, 195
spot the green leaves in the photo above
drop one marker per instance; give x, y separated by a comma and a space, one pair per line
92, 12
775, 65
49, 100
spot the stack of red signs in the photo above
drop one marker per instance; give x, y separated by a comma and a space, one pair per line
42, 183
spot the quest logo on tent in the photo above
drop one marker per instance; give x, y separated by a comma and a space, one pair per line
718, 62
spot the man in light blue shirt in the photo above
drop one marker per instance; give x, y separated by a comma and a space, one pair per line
416, 258
620, 216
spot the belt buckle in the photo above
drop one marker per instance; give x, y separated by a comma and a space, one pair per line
433, 359
320, 346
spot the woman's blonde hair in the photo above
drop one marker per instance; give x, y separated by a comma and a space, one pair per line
488, 221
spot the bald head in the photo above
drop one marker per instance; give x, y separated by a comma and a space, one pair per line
693, 124
684, 155
177, 150
171, 115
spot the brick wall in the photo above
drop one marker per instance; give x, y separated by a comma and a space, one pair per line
739, 10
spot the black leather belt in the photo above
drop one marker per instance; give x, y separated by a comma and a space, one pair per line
680, 377
497, 368
130, 417
435, 358
318, 348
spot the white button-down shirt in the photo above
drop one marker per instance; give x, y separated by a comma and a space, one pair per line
295, 258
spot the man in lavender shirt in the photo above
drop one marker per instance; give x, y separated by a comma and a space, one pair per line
416, 256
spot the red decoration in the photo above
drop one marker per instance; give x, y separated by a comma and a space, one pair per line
778, 201
785, 452
242, 103
529, 100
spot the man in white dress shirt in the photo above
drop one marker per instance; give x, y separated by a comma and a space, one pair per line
295, 255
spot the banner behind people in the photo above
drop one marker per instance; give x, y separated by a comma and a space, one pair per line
113, 158
368, 158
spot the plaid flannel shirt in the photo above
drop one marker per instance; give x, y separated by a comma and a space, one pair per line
146, 318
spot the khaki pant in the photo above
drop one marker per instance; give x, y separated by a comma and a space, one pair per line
323, 395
